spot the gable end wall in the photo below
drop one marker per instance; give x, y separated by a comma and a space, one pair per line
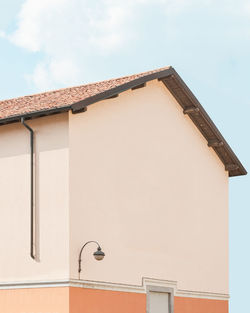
144, 183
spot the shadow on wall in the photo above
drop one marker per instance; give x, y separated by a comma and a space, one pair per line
50, 134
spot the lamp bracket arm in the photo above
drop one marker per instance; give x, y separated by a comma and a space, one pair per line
80, 254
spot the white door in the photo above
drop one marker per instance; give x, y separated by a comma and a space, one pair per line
158, 302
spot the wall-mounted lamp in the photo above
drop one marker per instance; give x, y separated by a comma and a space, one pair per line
98, 254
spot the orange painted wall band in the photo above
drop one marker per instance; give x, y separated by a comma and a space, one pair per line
82, 300
105, 301
196, 305
35, 300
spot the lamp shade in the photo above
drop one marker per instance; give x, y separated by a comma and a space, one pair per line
99, 254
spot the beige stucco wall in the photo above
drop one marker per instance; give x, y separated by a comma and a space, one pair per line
144, 183
51, 147
133, 173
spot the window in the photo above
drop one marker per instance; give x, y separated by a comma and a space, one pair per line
160, 299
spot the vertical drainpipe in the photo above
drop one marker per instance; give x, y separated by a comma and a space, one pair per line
32, 248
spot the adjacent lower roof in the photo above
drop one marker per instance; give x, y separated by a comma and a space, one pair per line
78, 98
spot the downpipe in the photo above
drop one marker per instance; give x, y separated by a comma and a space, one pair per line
32, 252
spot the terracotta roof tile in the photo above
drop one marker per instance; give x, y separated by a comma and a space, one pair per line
62, 97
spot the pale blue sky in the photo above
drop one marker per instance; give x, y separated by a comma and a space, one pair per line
56, 43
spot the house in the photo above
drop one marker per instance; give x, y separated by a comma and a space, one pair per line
134, 164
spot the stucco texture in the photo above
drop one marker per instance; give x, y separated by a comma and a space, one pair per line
133, 173
144, 183
51, 201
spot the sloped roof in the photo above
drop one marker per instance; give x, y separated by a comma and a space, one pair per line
78, 98
62, 97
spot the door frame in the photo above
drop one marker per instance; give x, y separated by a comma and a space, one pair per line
167, 290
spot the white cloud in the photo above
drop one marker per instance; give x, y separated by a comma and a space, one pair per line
60, 71
68, 32
72, 34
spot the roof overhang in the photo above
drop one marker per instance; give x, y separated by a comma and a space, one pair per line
186, 99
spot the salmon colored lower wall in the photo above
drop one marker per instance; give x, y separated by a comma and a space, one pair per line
35, 300
195, 305
81, 300
105, 301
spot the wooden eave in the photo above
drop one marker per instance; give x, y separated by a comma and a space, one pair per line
203, 122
